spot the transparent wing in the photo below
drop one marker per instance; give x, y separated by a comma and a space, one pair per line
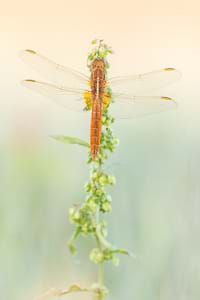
141, 83
69, 98
58, 74
126, 106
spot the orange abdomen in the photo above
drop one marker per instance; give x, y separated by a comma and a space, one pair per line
95, 126
97, 83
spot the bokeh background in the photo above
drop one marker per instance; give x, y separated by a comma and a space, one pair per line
156, 203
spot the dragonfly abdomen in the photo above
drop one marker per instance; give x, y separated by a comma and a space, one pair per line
98, 83
95, 127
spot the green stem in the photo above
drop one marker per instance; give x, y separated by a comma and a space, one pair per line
101, 278
98, 202
100, 271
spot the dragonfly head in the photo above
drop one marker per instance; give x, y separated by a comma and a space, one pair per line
98, 63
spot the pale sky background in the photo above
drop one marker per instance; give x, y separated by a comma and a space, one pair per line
157, 164
146, 35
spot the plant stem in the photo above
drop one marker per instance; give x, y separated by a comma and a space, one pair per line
101, 273
87, 217
100, 295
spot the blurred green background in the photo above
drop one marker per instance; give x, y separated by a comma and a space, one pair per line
156, 198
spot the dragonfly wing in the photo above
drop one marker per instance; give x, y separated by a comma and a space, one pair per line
70, 98
63, 76
141, 83
127, 106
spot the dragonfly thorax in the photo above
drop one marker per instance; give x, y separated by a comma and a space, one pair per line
98, 78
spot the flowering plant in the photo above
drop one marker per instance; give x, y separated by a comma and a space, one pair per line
88, 218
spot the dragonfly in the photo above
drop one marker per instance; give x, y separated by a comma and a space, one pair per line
129, 98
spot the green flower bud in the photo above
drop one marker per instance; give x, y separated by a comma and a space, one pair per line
76, 216
103, 120
111, 180
106, 207
102, 179
93, 42
108, 255
96, 255
92, 207
99, 192
94, 175
116, 141
88, 187
71, 211
84, 228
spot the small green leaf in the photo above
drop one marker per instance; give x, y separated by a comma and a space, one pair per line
110, 51
72, 248
123, 251
102, 53
93, 42
70, 140
91, 56
71, 241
